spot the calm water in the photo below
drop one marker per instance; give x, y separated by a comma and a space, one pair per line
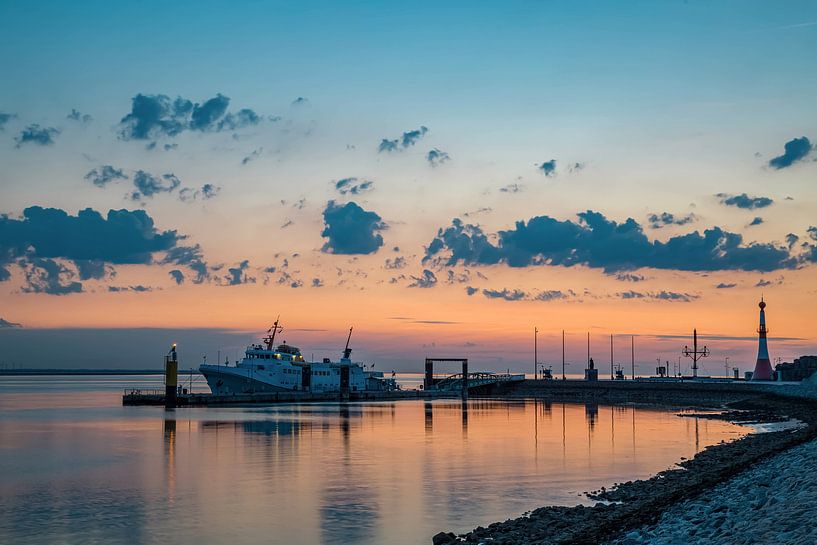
77, 467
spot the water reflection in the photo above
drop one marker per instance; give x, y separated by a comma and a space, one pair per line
327, 473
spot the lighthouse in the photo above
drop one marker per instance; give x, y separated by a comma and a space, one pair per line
763, 367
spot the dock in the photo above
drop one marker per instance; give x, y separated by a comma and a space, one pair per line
132, 397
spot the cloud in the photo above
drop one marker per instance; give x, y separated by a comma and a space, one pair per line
5, 118
575, 167
207, 191
79, 117
317, 283
659, 296
239, 120
237, 275
177, 276
812, 233
4, 324
254, 154
757, 221
657, 221
148, 185
353, 186
398, 262
34, 134
471, 290
437, 157
505, 294
629, 277
105, 174
190, 257
512, 188
351, 230
48, 276
138, 289
725, 286
427, 280
596, 242
744, 201
408, 139
123, 237
300, 101
548, 168
91, 269
157, 116
762, 283
793, 151
519, 295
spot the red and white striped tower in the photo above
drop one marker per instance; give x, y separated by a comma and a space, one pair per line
763, 367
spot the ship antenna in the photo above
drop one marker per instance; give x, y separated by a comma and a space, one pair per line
270, 339
348, 351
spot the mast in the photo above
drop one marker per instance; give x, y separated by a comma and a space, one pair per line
270, 338
348, 351
535, 351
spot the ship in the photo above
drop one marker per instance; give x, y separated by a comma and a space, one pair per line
267, 368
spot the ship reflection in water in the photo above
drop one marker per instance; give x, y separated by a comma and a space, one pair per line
325, 473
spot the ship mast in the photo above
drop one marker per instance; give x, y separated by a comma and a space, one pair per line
270, 338
348, 351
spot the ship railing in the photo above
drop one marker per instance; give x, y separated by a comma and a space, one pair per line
137, 392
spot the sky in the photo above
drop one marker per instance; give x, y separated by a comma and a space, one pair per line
444, 178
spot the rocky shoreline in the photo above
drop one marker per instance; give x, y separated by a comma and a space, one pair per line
631, 506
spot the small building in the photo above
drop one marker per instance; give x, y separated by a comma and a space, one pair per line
800, 369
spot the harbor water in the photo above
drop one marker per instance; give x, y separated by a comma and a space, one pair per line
77, 467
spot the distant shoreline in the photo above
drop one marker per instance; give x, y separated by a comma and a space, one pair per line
45, 372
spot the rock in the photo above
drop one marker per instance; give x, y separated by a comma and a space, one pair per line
444, 538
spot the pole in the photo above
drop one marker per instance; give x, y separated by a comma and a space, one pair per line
563, 354
588, 350
695, 353
612, 375
535, 351
632, 354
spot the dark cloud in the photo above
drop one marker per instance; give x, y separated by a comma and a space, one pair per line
725, 286
548, 168
757, 221
408, 139
79, 117
102, 176
48, 276
398, 262
205, 116
436, 157
239, 120
190, 257
6, 324
744, 201
471, 290
812, 233
427, 280
148, 185
177, 276
353, 186
659, 296
629, 277
317, 283
793, 151
124, 237
34, 134
658, 221
237, 275
300, 101
505, 294
5, 118
137, 288
351, 230
207, 191
597, 242
157, 116
91, 269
